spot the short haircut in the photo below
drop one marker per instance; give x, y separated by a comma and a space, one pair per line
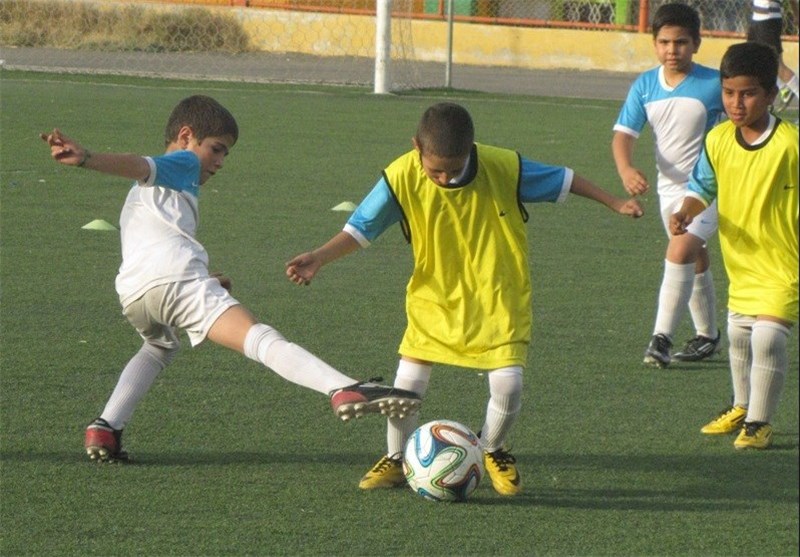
445, 130
753, 60
204, 115
677, 15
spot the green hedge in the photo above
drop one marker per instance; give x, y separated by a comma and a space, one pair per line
77, 25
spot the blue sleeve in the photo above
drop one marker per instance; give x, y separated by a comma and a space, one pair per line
177, 170
703, 181
632, 115
376, 212
541, 182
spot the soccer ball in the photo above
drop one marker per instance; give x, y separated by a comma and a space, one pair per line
443, 461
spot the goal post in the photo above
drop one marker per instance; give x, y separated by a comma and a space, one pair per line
383, 46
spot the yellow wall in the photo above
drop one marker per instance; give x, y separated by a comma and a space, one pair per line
475, 44
478, 44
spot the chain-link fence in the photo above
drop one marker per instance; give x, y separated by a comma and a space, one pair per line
266, 40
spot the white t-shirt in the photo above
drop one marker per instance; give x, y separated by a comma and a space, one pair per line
158, 225
679, 116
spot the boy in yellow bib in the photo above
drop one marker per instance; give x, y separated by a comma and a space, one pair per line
749, 164
468, 303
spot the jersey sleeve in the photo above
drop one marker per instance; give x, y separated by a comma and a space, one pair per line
177, 170
703, 181
632, 116
376, 212
542, 182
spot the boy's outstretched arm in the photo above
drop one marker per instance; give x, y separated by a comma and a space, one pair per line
633, 180
70, 152
583, 187
302, 268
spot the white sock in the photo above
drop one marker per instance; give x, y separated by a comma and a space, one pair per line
768, 373
135, 380
292, 362
673, 298
412, 377
740, 357
703, 305
505, 402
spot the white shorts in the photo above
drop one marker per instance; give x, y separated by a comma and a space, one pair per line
704, 225
192, 305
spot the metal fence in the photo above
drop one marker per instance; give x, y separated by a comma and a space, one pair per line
331, 41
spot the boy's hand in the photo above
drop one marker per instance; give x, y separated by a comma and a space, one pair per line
65, 150
631, 207
634, 182
301, 269
678, 222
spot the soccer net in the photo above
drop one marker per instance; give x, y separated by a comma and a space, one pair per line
270, 42
348, 42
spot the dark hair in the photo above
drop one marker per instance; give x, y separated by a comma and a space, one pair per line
204, 115
445, 130
753, 60
677, 15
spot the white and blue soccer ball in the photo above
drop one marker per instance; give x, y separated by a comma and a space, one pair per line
443, 461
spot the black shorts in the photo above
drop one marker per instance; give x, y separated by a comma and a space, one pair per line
767, 32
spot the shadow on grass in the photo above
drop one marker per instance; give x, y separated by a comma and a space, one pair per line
680, 483
704, 482
194, 458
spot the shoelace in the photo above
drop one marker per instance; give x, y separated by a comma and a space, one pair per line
726, 411
751, 428
385, 463
699, 341
662, 343
502, 459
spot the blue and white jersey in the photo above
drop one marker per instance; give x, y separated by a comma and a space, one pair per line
158, 225
379, 209
764, 10
679, 116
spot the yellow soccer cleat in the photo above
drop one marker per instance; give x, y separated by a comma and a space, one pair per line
387, 472
754, 435
502, 470
729, 420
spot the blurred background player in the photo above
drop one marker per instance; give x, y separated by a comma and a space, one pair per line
468, 301
750, 165
681, 101
766, 26
164, 284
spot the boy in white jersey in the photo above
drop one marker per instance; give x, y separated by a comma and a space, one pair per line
749, 164
681, 101
164, 283
468, 302
766, 26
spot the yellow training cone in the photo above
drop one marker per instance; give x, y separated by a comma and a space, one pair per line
348, 206
99, 224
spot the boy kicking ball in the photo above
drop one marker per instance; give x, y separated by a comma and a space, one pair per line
461, 207
164, 283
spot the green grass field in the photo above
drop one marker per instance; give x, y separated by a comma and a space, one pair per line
232, 460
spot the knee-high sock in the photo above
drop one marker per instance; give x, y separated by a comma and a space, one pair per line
412, 377
740, 356
292, 362
673, 297
703, 305
505, 402
768, 372
135, 380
